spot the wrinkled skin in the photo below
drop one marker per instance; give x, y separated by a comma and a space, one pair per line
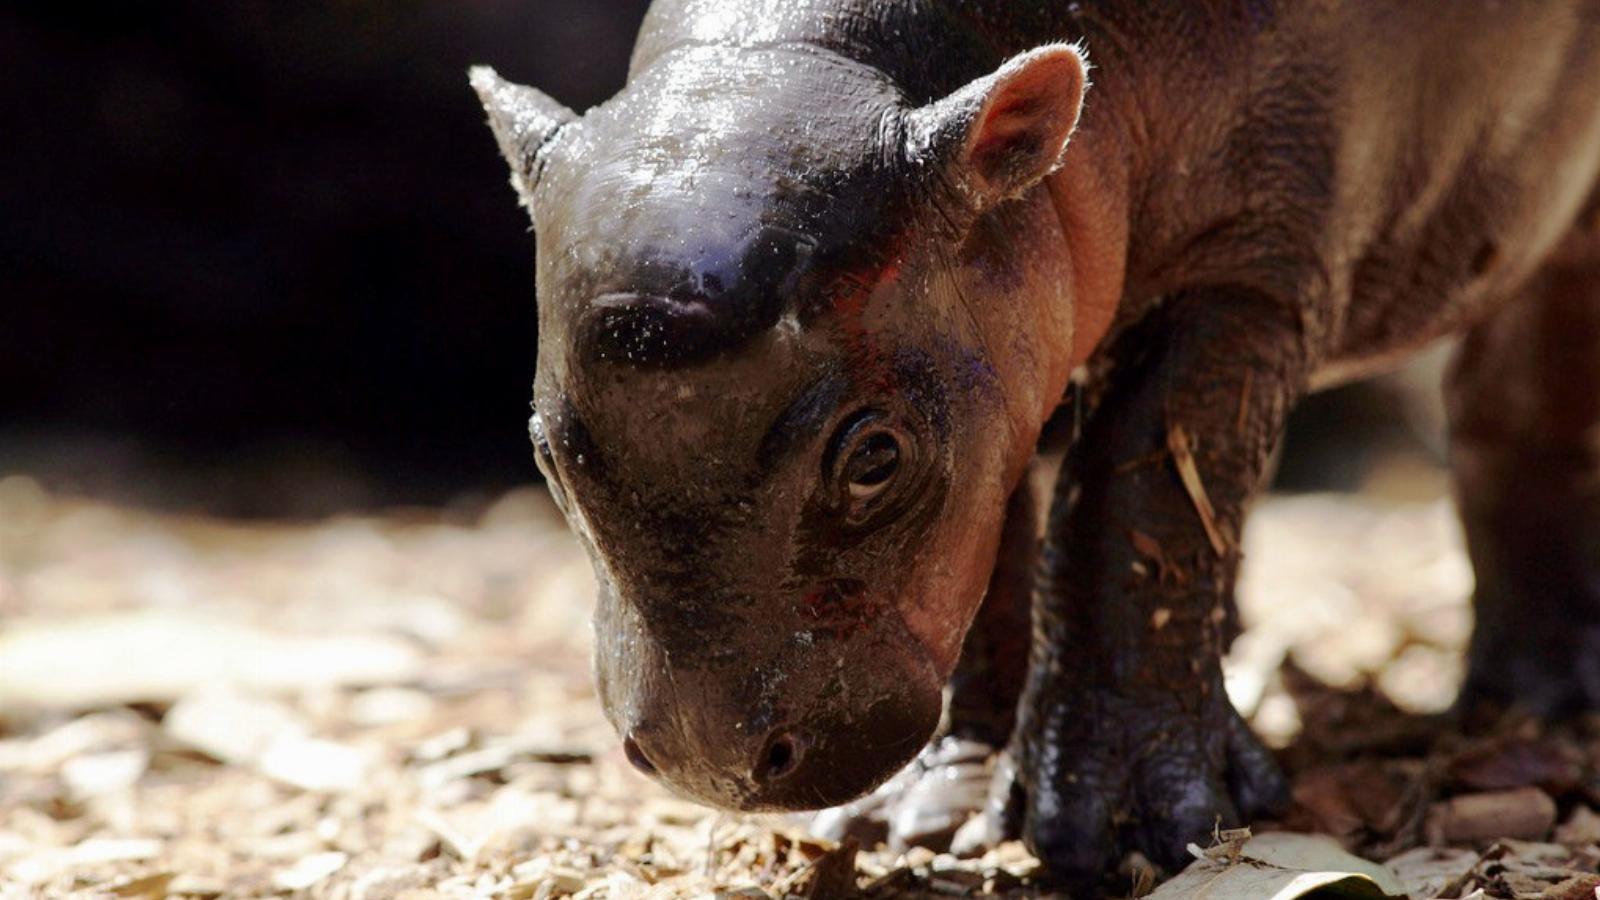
720, 340
813, 284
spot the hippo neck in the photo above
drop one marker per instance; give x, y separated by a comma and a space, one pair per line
1090, 199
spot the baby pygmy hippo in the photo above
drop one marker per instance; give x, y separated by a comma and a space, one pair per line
811, 286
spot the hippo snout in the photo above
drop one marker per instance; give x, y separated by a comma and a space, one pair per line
813, 763
766, 717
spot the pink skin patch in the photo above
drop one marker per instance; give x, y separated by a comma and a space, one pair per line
841, 609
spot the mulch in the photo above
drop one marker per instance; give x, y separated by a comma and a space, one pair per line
399, 705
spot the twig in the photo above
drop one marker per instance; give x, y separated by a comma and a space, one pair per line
1183, 457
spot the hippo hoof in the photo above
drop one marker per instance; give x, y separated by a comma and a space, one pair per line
922, 806
1134, 775
1553, 675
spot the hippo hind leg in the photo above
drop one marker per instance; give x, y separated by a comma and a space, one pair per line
1524, 404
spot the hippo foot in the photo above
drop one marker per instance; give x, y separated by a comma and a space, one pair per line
1554, 674
1106, 775
922, 806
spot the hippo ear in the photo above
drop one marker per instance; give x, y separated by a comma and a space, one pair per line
1003, 133
524, 121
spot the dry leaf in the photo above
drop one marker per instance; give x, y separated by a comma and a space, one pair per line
1282, 866
1505, 763
1428, 871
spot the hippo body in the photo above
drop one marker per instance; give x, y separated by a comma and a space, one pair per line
813, 286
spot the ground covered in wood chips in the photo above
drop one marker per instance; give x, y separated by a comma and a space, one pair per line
400, 706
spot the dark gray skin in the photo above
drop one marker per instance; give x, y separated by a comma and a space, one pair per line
812, 285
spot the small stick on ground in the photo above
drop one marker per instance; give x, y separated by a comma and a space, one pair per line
1183, 457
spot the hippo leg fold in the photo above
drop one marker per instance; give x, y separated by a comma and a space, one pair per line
1125, 739
1524, 404
947, 784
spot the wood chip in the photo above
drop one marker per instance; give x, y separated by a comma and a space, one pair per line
313, 764
99, 774
1522, 814
41, 867
231, 726
310, 871
833, 875
1582, 827
153, 885
1167, 570
157, 656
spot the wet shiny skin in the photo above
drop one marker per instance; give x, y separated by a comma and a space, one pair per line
803, 215
753, 298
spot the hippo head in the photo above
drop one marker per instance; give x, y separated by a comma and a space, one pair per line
797, 338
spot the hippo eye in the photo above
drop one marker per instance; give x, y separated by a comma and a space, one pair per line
872, 465
867, 457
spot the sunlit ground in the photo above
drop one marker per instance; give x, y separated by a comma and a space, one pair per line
363, 706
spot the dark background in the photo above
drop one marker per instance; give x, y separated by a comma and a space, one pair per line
243, 236
262, 257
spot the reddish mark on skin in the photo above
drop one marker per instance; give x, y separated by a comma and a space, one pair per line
841, 608
850, 306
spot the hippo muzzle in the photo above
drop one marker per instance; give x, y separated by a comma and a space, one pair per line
768, 714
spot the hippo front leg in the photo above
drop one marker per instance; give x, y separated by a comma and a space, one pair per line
1125, 738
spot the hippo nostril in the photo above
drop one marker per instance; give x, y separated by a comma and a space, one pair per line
636, 757
781, 757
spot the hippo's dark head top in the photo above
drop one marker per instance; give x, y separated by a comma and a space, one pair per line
788, 372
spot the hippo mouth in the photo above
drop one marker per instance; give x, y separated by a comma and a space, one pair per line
833, 734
